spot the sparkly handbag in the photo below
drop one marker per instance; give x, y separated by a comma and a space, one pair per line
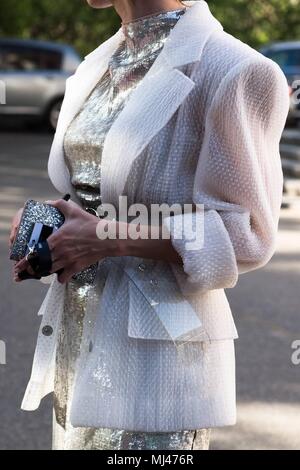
38, 222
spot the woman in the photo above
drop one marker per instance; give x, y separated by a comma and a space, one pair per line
171, 109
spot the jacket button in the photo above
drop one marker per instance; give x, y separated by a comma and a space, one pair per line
101, 211
47, 330
142, 267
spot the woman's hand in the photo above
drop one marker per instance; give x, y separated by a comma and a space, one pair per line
14, 226
13, 232
75, 246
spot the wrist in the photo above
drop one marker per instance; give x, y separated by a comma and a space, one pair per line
114, 235
124, 244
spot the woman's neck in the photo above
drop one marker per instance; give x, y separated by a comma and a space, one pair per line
130, 10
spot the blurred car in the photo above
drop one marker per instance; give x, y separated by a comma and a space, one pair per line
35, 73
287, 56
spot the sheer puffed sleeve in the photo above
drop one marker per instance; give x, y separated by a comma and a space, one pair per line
238, 180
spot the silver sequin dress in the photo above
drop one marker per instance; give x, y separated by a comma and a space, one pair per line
144, 39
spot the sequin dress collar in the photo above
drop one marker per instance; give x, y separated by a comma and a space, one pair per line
144, 32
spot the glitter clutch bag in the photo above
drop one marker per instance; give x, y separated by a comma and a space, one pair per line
38, 222
48, 217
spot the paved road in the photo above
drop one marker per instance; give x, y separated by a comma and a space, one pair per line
265, 305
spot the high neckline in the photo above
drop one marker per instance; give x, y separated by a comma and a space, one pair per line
142, 31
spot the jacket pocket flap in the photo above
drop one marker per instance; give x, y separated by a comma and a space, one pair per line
160, 312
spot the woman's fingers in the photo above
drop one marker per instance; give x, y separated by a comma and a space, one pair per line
66, 207
22, 265
14, 227
57, 265
67, 274
15, 274
12, 236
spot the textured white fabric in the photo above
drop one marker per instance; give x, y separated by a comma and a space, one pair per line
238, 177
217, 145
148, 385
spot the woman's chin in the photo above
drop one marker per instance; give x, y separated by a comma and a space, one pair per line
100, 3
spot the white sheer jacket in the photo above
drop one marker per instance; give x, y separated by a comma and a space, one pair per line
203, 127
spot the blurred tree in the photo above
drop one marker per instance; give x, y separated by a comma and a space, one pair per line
69, 21
259, 21
72, 21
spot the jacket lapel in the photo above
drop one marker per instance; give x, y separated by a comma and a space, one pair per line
150, 106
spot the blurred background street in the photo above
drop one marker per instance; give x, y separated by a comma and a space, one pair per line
265, 306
